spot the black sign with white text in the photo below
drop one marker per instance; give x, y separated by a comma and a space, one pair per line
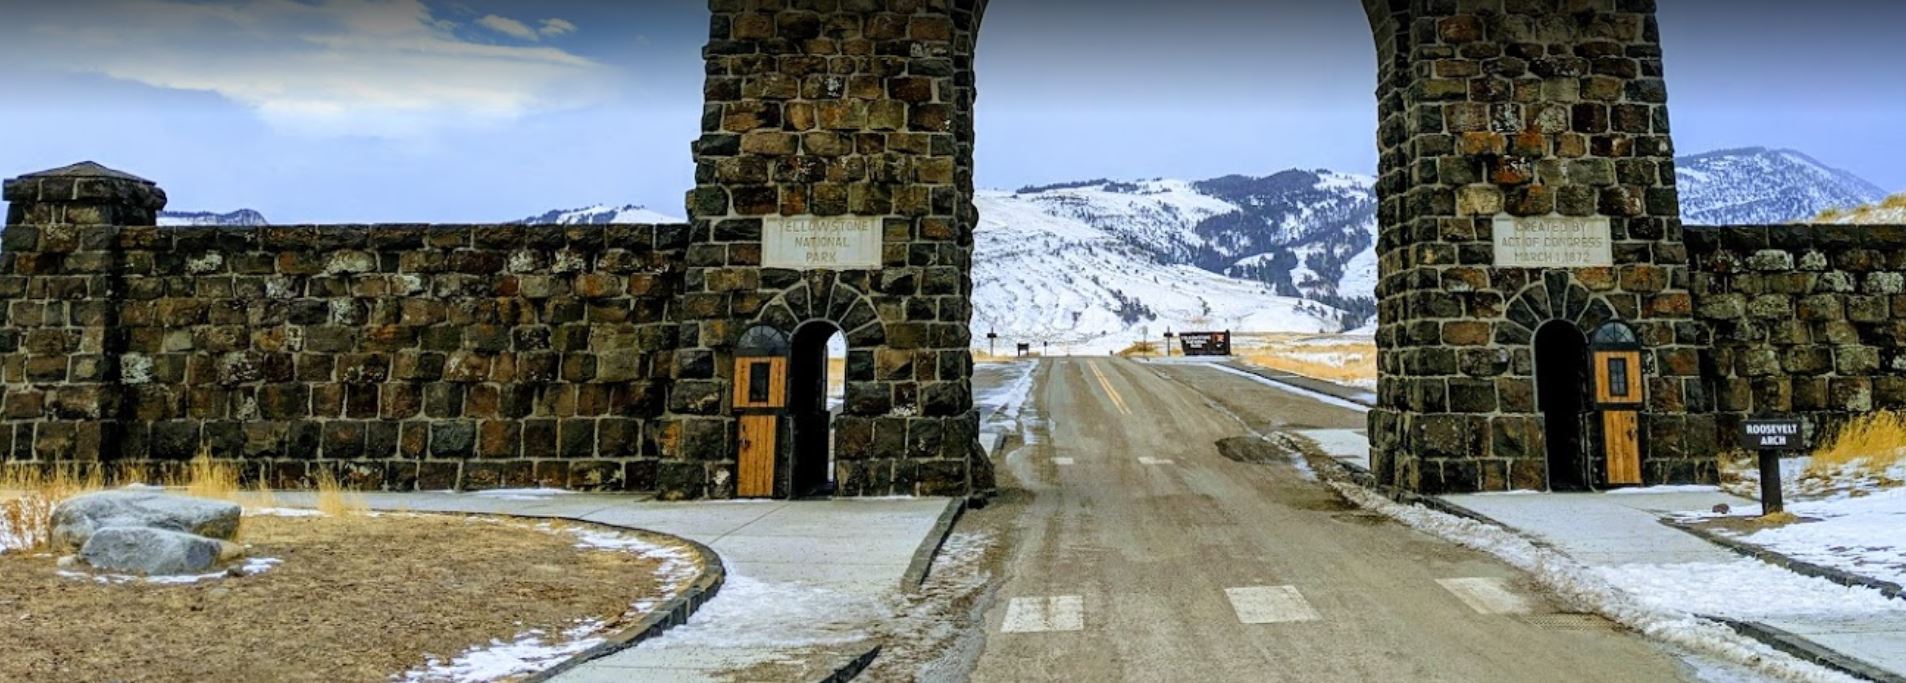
1205, 343
1779, 434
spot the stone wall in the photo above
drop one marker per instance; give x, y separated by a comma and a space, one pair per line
1520, 109
1807, 320
402, 356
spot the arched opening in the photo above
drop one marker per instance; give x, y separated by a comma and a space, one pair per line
1249, 206
816, 370
1561, 383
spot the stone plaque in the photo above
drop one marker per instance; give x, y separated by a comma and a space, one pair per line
1553, 242
821, 242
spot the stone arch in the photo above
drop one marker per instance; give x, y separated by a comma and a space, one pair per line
1558, 297
821, 297
1486, 111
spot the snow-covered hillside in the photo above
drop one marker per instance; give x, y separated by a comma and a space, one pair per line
628, 214
1040, 277
1302, 233
245, 217
1759, 186
1890, 211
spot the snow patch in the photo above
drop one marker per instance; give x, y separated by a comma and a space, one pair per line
530, 651
1715, 588
251, 567
1671, 488
1578, 586
760, 615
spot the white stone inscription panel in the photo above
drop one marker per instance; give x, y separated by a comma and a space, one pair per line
1554, 242
821, 242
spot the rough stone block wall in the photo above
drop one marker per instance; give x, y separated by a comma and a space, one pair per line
401, 356
833, 109
1522, 109
1807, 320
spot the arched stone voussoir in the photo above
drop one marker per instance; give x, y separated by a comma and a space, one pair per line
1556, 297
846, 307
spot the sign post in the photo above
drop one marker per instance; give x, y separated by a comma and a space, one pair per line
1770, 437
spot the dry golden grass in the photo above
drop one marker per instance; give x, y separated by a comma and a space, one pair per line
1778, 519
208, 478
1140, 349
836, 376
1359, 360
335, 500
1873, 443
1883, 211
360, 599
28, 495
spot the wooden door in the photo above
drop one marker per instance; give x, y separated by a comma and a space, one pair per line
1621, 439
758, 449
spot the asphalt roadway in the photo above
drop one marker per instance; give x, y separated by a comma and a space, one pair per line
1140, 551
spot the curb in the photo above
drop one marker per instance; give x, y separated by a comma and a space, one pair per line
1839, 576
929, 548
1323, 386
1362, 477
666, 616
1808, 650
853, 668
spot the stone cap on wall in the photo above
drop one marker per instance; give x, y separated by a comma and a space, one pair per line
82, 193
1705, 238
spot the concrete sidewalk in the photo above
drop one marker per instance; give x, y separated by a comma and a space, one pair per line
808, 581
1621, 536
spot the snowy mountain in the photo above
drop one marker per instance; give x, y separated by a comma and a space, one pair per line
1039, 277
1309, 234
1759, 186
239, 217
601, 214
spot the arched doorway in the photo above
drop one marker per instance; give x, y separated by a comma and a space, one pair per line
1561, 384
815, 367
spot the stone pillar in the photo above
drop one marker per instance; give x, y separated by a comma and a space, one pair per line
85, 193
837, 109
1500, 107
60, 277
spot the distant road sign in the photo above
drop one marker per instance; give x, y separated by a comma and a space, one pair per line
1773, 434
1205, 343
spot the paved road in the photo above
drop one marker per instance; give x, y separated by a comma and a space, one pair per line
1141, 553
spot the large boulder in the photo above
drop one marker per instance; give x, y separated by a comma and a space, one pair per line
152, 552
76, 520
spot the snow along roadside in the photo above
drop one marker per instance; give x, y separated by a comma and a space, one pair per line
1581, 588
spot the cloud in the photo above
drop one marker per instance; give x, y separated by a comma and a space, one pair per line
379, 68
557, 27
509, 27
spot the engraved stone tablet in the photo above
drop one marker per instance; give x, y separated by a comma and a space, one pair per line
821, 242
1553, 242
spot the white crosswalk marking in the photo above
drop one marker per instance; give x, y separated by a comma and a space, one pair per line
1061, 461
1489, 595
1037, 615
1270, 605
1153, 461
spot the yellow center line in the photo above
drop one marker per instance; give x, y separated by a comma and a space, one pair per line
1117, 400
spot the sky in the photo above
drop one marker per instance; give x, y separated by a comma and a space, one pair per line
480, 111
